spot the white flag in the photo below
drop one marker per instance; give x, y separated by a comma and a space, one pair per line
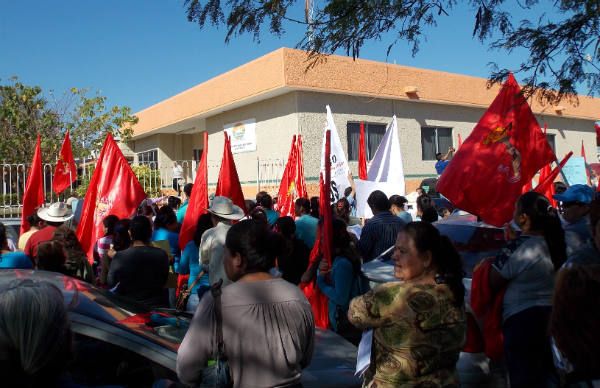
339, 163
386, 165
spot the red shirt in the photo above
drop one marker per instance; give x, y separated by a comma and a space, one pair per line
37, 238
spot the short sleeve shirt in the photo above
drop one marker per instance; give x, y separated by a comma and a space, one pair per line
527, 266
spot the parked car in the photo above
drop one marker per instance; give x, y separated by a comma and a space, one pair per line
119, 342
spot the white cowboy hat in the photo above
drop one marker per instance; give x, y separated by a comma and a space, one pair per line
223, 207
57, 212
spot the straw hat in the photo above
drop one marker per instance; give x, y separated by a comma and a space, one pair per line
223, 207
57, 212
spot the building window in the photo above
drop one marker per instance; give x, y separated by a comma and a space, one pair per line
434, 140
197, 154
552, 141
149, 158
373, 135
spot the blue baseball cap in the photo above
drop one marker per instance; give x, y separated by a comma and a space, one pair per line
576, 193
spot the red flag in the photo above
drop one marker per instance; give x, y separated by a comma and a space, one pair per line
65, 172
293, 185
527, 187
228, 184
33, 197
504, 151
287, 188
198, 202
114, 189
362, 153
300, 181
587, 171
459, 142
547, 177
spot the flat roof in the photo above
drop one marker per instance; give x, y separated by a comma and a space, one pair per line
285, 70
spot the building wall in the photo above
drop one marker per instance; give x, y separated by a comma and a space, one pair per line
411, 117
276, 122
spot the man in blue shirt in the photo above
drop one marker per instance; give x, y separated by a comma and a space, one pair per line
381, 231
442, 161
306, 225
576, 216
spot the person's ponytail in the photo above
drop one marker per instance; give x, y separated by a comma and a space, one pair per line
450, 269
555, 238
544, 219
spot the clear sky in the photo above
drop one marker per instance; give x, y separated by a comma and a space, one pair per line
139, 52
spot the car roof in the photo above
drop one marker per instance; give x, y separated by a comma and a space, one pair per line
85, 299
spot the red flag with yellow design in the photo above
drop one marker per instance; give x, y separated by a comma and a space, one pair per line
65, 172
114, 189
503, 152
293, 185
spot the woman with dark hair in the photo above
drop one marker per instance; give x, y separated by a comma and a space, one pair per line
293, 259
76, 264
419, 323
166, 228
190, 263
268, 326
121, 241
426, 209
51, 257
314, 207
526, 267
8, 258
342, 281
103, 244
574, 324
35, 335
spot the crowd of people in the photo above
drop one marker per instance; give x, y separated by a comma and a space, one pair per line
247, 267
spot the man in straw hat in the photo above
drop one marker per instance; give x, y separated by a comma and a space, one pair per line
53, 216
212, 245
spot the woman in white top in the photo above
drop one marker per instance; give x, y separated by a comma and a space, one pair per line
526, 268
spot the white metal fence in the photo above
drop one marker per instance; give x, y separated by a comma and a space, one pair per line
154, 177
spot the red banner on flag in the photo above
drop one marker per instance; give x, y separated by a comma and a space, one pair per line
228, 184
114, 189
547, 177
198, 202
33, 197
504, 151
292, 184
362, 153
65, 172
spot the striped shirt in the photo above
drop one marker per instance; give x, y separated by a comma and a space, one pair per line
379, 234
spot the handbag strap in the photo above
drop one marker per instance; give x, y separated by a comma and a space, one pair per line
196, 280
216, 293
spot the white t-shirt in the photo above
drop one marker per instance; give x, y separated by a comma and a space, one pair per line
177, 172
527, 266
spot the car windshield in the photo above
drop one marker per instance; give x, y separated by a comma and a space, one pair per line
161, 326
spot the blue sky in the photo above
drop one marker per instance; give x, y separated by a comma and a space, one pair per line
139, 52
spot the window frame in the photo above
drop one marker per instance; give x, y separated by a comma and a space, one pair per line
370, 154
436, 140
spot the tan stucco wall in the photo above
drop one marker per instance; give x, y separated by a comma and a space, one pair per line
286, 70
411, 117
276, 122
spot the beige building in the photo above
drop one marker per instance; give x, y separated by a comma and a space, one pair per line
279, 95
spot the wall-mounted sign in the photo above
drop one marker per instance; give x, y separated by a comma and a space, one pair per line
243, 135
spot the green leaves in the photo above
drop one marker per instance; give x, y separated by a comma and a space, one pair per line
25, 112
561, 39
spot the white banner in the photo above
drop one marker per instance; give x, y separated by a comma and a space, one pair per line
339, 163
365, 188
386, 165
243, 135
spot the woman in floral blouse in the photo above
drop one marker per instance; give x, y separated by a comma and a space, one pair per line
419, 323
